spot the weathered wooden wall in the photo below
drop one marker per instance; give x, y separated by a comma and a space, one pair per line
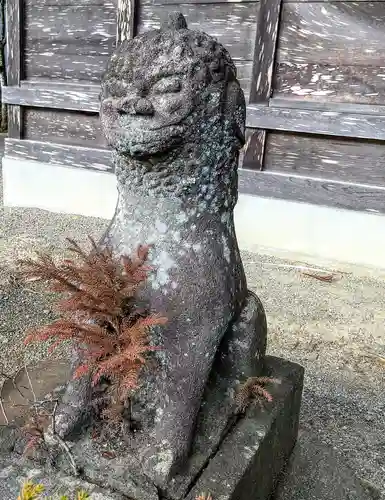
313, 73
325, 115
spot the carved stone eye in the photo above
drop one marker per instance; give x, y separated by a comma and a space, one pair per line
167, 86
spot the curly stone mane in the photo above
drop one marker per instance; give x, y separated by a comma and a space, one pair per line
194, 54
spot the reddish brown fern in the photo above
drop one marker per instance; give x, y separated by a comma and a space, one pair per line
33, 430
100, 311
254, 391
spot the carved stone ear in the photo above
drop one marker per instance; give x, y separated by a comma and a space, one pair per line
175, 21
234, 110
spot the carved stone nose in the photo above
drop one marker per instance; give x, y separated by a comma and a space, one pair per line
143, 107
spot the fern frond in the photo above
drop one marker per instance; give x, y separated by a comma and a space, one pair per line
254, 391
100, 312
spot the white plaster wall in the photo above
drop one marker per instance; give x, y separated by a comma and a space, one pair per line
58, 189
294, 230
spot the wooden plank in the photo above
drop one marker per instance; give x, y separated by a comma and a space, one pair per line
125, 22
14, 42
65, 67
75, 3
61, 126
244, 72
88, 46
334, 83
265, 47
177, 2
15, 125
69, 42
312, 190
70, 23
335, 34
326, 1
329, 158
233, 24
48, 84
365, 109
14, 69
316, 122
59, 154
254, 149
53, 98
261, 83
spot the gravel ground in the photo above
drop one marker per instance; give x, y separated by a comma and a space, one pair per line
334, 329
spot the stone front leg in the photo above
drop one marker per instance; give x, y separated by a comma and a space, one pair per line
243, 347
167, 445
205, 373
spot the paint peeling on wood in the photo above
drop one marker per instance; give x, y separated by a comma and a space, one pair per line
62, 126
265, 47
69, 41
254, 150
59, 154
261, 84
334, 33
65, 98
14, 63
320, 82
316, 122
341, 159
313, 190
125, 20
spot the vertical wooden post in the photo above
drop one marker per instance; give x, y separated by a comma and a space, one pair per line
14, 48
262, 79
125, 23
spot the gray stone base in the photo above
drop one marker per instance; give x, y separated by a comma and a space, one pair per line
245, 466
252, 457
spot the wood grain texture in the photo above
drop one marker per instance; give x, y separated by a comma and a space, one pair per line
177, 2
315, 191
67, 98
69, 41
334, 83
262, 75
334, 33
233, 24
316, 122
61, 126
65, 67
14, 63
77, 3
254, 150
332, 51
59, 154
125, 21
346, 160
265, 48
244, 71
341, 107
326, 1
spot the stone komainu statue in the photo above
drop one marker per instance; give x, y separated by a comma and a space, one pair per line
174, 114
